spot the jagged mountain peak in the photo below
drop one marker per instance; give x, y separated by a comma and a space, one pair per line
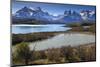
70, 13
68, 16
87, 14
24, 12
38, 9
87, 11
25, 8
33, 13
67, 12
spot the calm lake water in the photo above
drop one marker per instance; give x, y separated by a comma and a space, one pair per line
22, 28
60, 40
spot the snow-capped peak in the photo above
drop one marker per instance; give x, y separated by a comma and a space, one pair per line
85, 14
92, 13
38, 9
24, 12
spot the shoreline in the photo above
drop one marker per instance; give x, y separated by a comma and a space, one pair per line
52, 40
44, 35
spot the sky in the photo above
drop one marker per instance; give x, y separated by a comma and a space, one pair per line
53, 9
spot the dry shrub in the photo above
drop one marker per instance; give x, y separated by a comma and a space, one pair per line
53, 55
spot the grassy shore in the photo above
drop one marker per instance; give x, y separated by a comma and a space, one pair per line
31, 37
84, 27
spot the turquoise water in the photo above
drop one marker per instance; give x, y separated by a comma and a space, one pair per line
16, 29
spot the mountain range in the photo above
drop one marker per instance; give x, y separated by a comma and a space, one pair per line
37, 15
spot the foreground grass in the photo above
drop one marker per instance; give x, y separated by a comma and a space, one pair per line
65, 54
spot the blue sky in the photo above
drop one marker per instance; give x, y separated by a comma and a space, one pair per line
54, 9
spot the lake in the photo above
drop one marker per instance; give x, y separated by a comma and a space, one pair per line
66, 39
25, 28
